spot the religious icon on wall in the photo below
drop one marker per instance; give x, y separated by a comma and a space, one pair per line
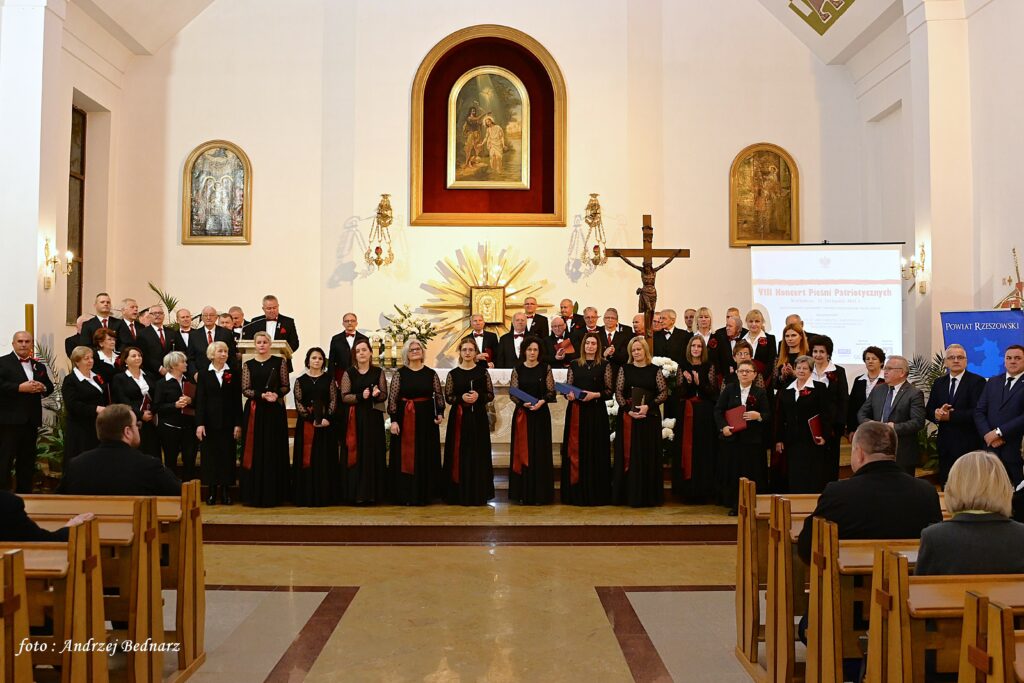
216, 195
764, 192
488, 302
489, 131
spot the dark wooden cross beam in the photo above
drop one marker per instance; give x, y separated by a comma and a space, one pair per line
648, 293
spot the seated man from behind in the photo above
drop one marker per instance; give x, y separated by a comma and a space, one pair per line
17, 527
116, 467
880, 500
980, 538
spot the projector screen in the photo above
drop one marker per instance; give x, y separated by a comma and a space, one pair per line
851, 292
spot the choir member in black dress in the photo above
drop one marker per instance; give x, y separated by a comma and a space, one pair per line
218, 416
531, 479
637, 478
804, 454
264, 477
176, 424
794, 345
105, 357
468, 474
743, 451
833, 377
765, 349
363, 445
863, 385
416, 406
85, 394
586, 451
315, 453
695, 470
135, 388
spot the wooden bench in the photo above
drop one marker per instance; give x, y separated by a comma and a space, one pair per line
14, 667
62, 582
912, 615
181, 532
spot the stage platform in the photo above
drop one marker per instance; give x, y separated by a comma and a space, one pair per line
498, 523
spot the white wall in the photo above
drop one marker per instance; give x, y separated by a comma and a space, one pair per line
662, 95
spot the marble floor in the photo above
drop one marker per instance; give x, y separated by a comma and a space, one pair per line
470, 613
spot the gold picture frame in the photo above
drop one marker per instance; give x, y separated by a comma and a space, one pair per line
216, 195
488, 302
495, 86
557, 216
764, 197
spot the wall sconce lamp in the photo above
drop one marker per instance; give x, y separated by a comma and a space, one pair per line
52, 265
913, 269
380, 237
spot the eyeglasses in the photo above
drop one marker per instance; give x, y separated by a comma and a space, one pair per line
956, 357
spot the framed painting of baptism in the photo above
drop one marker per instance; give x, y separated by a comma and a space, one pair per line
216, 195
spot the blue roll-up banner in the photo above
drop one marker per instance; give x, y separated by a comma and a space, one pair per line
985, 335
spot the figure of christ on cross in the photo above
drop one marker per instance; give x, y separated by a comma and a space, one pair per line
647, 292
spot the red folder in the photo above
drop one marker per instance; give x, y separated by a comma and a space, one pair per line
146, 404
484, 357
734, 418
815, 424
567, 345
189, 389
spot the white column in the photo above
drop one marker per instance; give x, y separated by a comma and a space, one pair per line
30, 44
943, 197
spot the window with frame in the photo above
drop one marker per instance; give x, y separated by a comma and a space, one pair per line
76, 213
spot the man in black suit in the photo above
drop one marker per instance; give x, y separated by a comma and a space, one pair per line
24, 382
340, 353
726, 339
671, 341
486, 341
639, 325
273, 323
951, 405
559, 358
181, 336
511, 342
17, 527
103, 305
999, 414
590, 320
573, 321
689, 315
205, 335
75, 339
116, 467
535, 322
614, 338
880, 500
155, 341
128, 334
899, 404
238, 321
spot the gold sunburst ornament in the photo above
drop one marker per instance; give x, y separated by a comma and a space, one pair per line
379, 235
480, 280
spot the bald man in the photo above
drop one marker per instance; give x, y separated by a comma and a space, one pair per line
573, 321
24, 382
203, 336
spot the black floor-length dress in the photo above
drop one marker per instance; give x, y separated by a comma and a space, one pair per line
468, 473
586, 450
363, 445
315, 449
264, 476
531, 477
696, 469
415, 399
637, 478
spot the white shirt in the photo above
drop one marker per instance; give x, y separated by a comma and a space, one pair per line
351, 339
184, 335
753, 340
870, 384
141, 381
705, 337
517, 342
896, 389
272, 328
529, 322
179, 382
91, 379
957, 378
158, 329
1013, 380
26, 365
211, 330
668, 331
479, 341
132, 328
797, 390
744, 393
109, 360
219, 373
823, 377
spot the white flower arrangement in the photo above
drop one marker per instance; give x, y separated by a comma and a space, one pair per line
613, 407
611, 437
668, 366
667, 434
669, 423
406, 325
387, 423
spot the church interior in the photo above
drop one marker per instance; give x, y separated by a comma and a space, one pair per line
437, 160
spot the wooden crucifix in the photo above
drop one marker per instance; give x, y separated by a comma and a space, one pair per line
647, 292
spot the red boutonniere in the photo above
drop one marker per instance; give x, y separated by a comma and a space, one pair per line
227, 376
99, 380
831, 376
762, 341
805, 392
38, 368
282, 330
713, 344
751, 400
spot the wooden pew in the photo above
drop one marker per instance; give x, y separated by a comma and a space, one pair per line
14, 667
991, 651
64, 581
181, 531
1006, 646
922, 613
748, 584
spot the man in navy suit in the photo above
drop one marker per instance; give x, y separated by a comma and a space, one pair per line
951, 407
999, 415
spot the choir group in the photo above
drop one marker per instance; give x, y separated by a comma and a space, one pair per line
738, 404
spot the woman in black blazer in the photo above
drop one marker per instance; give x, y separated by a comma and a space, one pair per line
105, 359
980, 538
803, 453
218, 421
765, 348
744, 451
176, 424
834, 377
873, 358
85, 394
134, 387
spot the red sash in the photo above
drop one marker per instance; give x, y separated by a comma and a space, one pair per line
627, 439
249, 430
458, 443
522, 456
409, 434
574, 443
308, 430
350, 437
687, 445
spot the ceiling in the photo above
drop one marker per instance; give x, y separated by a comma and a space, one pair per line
143, 26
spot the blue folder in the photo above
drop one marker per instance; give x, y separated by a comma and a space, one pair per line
568, 389
515, 392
